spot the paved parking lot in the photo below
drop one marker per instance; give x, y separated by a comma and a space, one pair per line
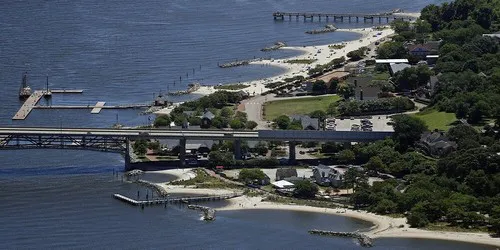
379, 123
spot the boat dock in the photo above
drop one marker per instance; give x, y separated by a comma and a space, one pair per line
35, 97
172, 200
28, 105
66, 91
97, 108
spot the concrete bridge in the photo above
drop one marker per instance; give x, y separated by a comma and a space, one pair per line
340, 16
118, 140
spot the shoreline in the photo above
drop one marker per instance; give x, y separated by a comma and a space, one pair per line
382, 226
322, 53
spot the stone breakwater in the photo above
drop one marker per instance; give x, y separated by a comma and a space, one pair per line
363, 239
276, 46
239, 63
157, 188
208, 213
192, 87
328, 28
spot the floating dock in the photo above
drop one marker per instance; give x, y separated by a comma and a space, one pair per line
172, 200
66, 91
97, 108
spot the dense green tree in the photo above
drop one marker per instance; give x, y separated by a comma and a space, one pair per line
226, 112
407, 130
220, 158
251, 125
319, 87
162, 121
320, 114
140, 147
346, 156
236, 124
261, 148
391, 50
154, 145
375, 164
416, 219
282, 121
250, 174
305, 189
345, 90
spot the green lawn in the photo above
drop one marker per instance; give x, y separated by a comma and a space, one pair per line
437, 120
299, 106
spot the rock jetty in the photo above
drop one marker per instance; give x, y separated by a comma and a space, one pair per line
328, 28
192, 87
363, 239
208, 213
276, 46
157, 188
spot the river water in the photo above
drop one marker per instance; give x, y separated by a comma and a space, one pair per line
123, 52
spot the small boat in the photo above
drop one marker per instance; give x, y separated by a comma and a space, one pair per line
25, 90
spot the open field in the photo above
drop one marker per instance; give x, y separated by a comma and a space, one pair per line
299, 106
436, 120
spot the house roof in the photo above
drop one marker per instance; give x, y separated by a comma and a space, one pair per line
208, 115
436, 139
306, 121
189, 113
396, 67
285, 172
429, 46
391, 61
282, 184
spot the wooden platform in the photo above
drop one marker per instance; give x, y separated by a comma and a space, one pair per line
66, 91
172, 200
98, 107
28, 105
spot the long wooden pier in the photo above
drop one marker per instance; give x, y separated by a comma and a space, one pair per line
159, 201
35, 97
340, 16
28, 105
66, 91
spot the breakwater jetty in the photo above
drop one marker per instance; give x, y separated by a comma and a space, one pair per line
159, 201
276, 46
239, 63
340, 17
328, 28
208, 212
363, 239
192, 87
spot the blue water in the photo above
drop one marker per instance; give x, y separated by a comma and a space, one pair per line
123, 52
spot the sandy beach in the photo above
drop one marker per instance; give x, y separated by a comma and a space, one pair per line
383, 226
322, 53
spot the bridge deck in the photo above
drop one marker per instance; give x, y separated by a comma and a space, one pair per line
28, 105
125, 106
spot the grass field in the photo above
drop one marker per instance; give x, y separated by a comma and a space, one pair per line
437, 120
299, 106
